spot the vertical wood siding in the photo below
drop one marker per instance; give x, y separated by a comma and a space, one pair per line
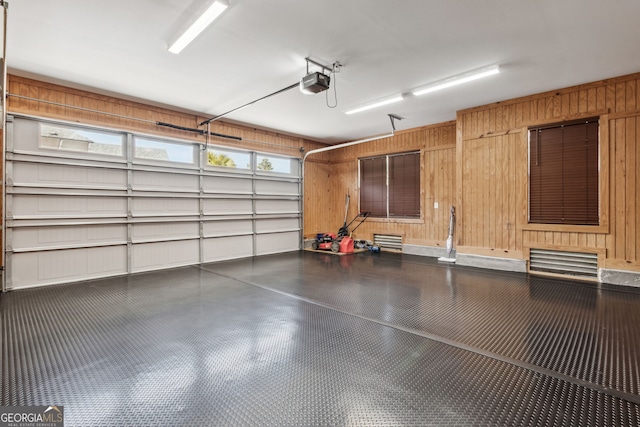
491, 180
437, 147
492, 150
253, 139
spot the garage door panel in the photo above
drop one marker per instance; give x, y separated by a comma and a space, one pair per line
228, 207
150, 206
227, 185
221, 248
143, 180
226, 228
157, 256
67, 206
29, 238
274, 206
62, 266
34, 174
276, 187
277, 242
277, 225
167, 230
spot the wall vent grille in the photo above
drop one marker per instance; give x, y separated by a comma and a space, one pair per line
579, 264
386, 241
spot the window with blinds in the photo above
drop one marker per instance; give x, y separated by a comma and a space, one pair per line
390, 185
563, 173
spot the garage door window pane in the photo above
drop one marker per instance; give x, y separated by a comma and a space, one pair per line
165, 151
53, 137
273, 164
228, 158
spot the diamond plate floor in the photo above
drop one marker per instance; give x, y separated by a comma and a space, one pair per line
313, 339
578, 329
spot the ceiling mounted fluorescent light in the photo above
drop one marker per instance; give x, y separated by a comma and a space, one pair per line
387, 101
197, 25
456, 80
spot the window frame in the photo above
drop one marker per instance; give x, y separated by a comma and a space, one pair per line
603, 167
418, 218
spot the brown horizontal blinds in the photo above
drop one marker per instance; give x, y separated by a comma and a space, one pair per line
563, 174
373, 186
404, 185
390, 185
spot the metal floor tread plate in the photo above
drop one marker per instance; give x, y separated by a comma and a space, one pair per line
196, 347
577, 329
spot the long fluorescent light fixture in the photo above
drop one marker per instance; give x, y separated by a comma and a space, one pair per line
457, 80
376, 104
198, 25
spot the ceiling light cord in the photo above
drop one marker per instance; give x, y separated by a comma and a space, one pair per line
335, 90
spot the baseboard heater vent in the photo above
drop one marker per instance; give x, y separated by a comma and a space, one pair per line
576, 264
386, 241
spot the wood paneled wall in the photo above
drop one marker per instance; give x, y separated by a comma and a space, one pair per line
59, 103
437, 147
492, 180
317, 191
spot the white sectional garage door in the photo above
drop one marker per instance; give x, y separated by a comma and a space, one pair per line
83, 203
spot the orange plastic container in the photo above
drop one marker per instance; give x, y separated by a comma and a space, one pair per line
346, 245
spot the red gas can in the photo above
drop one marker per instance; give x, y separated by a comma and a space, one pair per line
346, 245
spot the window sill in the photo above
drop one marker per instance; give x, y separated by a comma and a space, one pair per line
566, 228
397, 220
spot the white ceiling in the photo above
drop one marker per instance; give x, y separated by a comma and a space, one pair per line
387, 47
